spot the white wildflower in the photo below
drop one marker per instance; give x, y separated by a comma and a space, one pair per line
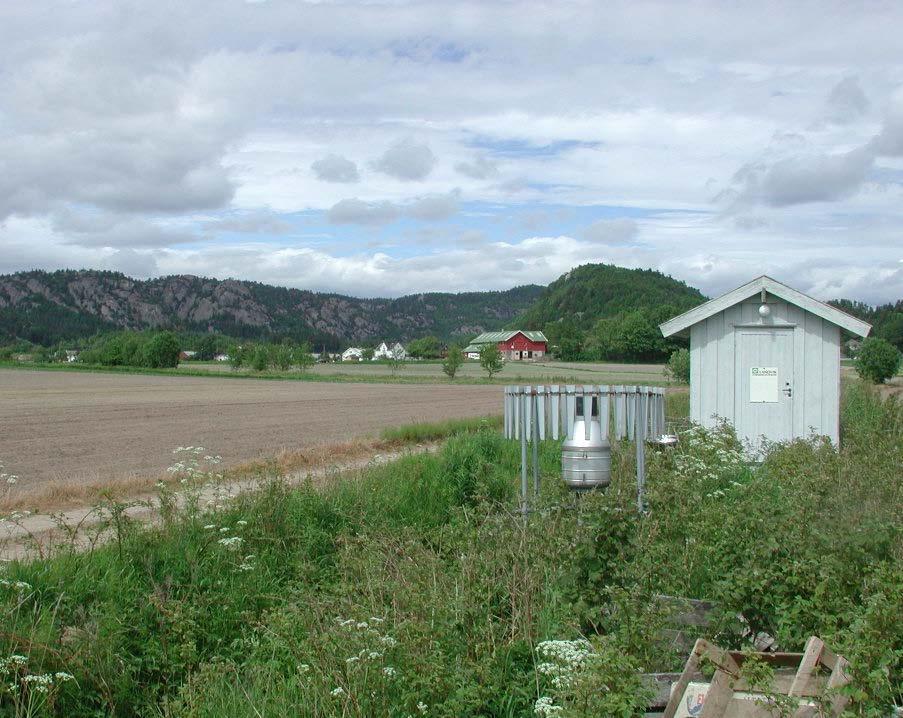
336, 692
233, 543
389, 671
545, 707
422, 707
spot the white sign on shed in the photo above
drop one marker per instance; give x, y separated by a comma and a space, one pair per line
766, 358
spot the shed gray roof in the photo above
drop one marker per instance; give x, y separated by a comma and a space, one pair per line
496, 337
772, 286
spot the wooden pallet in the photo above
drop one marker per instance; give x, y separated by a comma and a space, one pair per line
813, 674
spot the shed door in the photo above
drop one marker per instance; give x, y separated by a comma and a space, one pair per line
764, 380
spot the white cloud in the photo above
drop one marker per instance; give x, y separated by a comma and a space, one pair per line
130, 132
620, 231
407, 160
335, 168
479, 168
432, 207
847, 101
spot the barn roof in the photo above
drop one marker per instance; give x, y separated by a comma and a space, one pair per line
495, 337
714, 306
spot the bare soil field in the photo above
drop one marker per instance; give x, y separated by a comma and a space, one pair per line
62, 427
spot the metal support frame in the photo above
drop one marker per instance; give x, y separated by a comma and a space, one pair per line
533, 414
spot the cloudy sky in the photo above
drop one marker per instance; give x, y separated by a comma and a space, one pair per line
384, 148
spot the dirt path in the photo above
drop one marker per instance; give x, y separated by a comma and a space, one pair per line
63, 428
36, 535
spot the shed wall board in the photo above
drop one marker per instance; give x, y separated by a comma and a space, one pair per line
816, 365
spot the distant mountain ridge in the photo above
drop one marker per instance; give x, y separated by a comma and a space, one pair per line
47, 307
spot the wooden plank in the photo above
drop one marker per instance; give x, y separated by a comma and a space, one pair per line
691, 669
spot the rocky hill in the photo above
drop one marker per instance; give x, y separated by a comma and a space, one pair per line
47, 307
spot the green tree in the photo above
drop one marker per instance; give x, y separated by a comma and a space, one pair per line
428, 347
491, 359
162, 351
282, 356
260, 360
367, 353
566, 339
302, 356
396, 358
236, 356
207, 347
454, 360
679, 366
877, 360
892, 330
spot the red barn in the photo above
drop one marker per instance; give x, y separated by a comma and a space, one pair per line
515, 344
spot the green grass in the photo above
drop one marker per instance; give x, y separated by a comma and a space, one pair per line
434, 431
411, 374
425, 567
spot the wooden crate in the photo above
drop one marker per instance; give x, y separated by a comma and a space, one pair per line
813, 674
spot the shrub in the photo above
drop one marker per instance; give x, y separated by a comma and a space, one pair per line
878, 360
453, 361
491, 359
679, 366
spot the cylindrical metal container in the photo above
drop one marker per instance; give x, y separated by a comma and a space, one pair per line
586, 463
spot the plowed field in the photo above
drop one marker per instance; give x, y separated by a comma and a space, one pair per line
75, 427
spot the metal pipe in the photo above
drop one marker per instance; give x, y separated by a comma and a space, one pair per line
536, 446
523, 456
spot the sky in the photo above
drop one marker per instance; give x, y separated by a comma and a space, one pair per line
390, 148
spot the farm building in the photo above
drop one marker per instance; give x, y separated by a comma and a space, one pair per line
352, 354
515, 344
766, 358
395, 351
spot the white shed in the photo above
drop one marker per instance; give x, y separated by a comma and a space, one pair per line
766, 358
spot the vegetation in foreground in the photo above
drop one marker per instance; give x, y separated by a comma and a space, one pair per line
417, 589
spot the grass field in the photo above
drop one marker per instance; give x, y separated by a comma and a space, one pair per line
410, 373
513, 373
416, 588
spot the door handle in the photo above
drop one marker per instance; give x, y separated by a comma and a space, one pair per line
788, 390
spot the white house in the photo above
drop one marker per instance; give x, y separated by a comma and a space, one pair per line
384, 351
352, 354
767, 358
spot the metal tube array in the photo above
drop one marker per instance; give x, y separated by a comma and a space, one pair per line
534, 413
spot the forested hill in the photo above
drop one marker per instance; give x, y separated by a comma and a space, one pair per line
886, 319
48, 307
592, 292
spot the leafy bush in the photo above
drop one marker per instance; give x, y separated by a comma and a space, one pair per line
679, 366
877, 360
491, 359
162, 351
453, 361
